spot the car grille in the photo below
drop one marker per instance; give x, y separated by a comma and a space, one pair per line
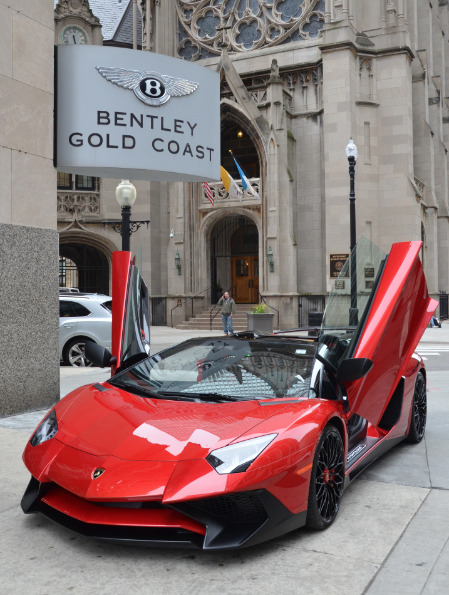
241, 508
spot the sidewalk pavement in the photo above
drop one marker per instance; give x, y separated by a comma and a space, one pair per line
391, 535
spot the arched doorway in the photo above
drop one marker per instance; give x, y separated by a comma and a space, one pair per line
85, 265
234, 250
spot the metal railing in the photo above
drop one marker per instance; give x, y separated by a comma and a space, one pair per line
264, 301
310, 305
191, 298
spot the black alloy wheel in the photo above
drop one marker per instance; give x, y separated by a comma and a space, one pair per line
419, 411
327, 479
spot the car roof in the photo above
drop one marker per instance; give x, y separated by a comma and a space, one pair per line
96, 297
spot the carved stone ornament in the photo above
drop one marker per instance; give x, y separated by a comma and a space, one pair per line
205, 26
79, 8
78, 204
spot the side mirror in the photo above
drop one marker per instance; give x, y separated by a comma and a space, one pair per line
353, 369
98, 355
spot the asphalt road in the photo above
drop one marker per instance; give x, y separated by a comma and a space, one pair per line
435, 351
391, 535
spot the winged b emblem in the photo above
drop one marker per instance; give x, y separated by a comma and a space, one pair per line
150, 87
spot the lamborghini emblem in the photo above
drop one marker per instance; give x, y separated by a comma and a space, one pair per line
97, 473
150, 87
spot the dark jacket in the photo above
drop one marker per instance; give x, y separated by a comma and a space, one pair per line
227, 307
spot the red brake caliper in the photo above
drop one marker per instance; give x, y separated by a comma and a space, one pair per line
328, 475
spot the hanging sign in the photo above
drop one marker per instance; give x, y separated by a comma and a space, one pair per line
137, 115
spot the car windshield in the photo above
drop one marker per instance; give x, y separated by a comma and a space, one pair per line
216, 369
349, 302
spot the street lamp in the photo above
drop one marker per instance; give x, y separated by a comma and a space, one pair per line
126, 195
351, 154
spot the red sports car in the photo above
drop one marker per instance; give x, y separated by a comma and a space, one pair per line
226, 442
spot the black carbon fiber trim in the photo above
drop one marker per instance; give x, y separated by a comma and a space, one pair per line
231, 520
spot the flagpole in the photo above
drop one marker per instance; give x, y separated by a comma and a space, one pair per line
246, 185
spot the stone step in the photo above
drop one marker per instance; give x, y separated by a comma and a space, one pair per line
205, 327
201, 321
193, 323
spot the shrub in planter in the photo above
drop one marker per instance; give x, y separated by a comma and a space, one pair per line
260, 319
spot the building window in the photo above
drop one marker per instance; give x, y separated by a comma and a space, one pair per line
64, 181
85, 183
68, 273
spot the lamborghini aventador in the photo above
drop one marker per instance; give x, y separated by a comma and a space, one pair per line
230, 441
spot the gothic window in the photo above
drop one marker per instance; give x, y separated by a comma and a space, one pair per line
366, 88
248, 34
244, 25
208, 24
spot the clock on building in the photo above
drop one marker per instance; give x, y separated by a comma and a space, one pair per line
74, 35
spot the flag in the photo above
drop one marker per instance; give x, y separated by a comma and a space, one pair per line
245, 182
230, 184
208, 191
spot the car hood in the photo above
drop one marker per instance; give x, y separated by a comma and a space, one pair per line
128, 427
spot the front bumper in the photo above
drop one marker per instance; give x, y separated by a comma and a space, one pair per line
229, 521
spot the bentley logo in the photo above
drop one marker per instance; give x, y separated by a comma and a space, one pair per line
97, 473
150, 87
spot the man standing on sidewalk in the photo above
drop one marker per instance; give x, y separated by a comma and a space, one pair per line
227, 310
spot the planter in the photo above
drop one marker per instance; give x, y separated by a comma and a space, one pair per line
262, 323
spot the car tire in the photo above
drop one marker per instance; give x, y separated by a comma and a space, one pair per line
419, 411
74, 354
327, 479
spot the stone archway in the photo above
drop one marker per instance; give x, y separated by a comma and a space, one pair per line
91, 255
216, 231
234, 258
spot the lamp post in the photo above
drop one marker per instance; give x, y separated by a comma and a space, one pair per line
351, 154
126, 195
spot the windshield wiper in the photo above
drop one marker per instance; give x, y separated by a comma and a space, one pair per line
207, 396
137, 390
153, 394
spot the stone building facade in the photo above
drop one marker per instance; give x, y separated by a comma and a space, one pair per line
299, 78
28, 237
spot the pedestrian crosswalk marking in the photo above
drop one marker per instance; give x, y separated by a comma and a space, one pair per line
432, 350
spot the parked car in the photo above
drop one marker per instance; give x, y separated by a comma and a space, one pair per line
83, 317
225, 442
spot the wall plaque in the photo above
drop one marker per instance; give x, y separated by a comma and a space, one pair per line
336, 264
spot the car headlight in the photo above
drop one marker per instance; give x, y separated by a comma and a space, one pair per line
236, 458
47, 429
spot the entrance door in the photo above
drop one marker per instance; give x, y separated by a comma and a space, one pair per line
245, 279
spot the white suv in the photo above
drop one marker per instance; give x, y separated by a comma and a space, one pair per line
83, 317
